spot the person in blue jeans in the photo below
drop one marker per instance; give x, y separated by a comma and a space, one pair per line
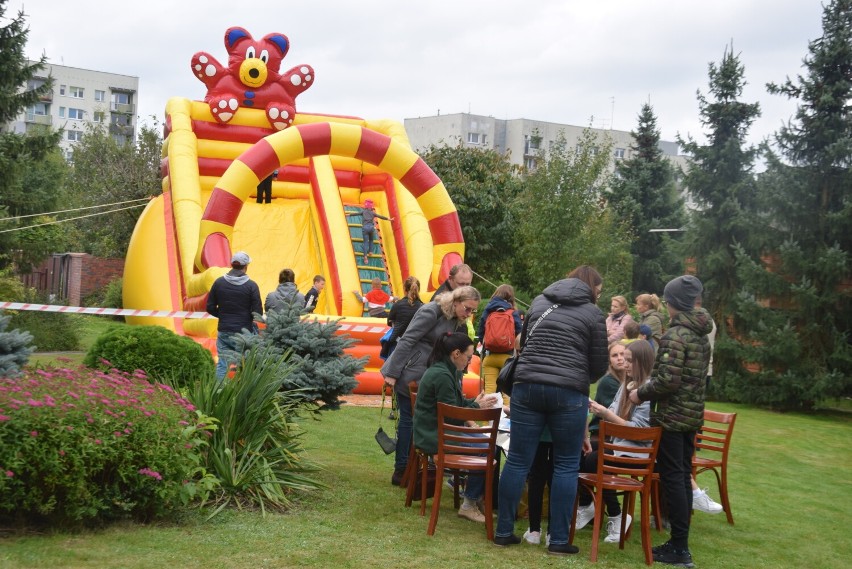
563, 351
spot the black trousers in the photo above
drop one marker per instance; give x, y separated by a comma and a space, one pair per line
674, 464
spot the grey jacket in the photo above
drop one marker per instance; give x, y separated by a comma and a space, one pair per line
408, 362
284, 295
569, 347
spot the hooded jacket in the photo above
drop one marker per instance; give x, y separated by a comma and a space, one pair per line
285, 295
680, 372
496, 304
568, 348
233, 299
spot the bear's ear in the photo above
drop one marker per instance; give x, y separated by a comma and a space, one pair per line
279, 40
233, 35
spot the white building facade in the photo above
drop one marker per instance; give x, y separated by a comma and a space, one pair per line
521, 139
80, 99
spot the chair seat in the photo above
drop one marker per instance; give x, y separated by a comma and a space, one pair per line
705, 462
611, 482
465, 462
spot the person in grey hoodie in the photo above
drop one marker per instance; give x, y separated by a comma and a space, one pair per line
233, 299
286, 294
563, 350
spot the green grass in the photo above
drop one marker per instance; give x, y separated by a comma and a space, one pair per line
789, 486
89, 328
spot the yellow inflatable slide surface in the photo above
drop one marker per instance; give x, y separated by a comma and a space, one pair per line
327, 167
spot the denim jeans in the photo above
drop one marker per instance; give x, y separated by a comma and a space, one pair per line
404, 430
474, 488
368, 234
224, 342
564, 412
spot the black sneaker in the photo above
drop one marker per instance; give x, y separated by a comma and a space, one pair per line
397, 476
562, 549
670, 555
508, 540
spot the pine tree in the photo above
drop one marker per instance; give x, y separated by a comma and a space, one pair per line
644, 196
322, 370
796, 308
15, 348
722, 184
17, 151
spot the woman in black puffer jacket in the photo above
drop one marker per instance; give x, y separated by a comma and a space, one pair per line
563, 351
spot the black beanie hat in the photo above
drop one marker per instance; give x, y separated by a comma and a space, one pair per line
681, 292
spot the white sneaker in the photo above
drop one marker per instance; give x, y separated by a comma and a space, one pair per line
613, 528
532, 537
585, 514
547, 539
704, 503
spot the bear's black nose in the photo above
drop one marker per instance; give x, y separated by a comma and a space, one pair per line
253, 73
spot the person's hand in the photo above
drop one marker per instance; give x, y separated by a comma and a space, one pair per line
596, 408
634, 397
587, 445
506, 409
485, 401
390, 381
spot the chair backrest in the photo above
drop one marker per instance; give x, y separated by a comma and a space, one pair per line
633, 466
715, 434
453, 432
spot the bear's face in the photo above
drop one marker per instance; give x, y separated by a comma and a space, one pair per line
255, 62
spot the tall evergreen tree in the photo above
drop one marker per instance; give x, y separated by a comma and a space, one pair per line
643, 195
796, 309
722, 184
19, 152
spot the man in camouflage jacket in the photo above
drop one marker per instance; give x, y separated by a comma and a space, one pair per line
677, 390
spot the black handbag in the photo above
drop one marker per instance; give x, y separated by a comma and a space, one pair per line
386, 442
506, 377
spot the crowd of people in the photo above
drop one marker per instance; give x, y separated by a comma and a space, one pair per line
651, 371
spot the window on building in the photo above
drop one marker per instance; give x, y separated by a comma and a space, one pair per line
121, 98
78, 114
37, 109
98, 116
473, 137
531, 144
62, 112
100, 96
77, 92
482, 139
74, 135
62, 89
619, 153
529, 163
120, 119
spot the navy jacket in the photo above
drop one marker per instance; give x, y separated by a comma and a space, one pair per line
233, 299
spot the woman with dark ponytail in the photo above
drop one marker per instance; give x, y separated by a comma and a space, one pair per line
442, 384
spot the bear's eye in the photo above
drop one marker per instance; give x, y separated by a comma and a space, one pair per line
264, 56
250, 53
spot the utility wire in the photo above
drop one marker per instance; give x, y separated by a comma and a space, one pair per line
75, 209
70, 219
519, 301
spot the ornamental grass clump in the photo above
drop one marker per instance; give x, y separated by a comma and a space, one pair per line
83, 447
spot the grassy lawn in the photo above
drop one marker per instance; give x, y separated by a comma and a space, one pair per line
790, 490
89, 328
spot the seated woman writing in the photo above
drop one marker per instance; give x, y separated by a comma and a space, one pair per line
442, 384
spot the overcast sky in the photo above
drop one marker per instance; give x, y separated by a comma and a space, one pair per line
560, 61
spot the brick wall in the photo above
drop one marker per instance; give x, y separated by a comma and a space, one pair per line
74, 276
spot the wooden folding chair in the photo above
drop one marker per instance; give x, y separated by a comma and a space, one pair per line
623, 474
715, 437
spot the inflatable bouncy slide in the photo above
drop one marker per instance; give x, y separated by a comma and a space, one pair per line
216, 152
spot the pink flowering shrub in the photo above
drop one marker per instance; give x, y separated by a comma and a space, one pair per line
85, 446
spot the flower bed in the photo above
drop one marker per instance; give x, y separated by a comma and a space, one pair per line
90, 446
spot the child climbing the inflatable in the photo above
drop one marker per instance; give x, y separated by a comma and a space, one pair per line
368, 226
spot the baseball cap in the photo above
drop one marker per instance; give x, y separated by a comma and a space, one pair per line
241, 258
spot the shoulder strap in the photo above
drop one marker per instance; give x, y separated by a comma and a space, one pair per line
540, 318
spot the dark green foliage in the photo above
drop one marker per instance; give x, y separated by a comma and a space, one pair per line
160, 353
109, 296
321, 370
795, 311
562, 221
723, 187
51, 331
107, 172
643, 195
482, 184
256, 449
22, 191
15, 348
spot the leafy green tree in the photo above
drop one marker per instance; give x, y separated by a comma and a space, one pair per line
563, 222
796, 306
643, 195
20, 153
722, 183
108, 172
482, 185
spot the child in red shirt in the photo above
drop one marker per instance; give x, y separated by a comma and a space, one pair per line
376, 299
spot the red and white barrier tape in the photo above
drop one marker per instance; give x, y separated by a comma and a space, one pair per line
102, 311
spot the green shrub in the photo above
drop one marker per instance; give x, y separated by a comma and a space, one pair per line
256, 449
159, 352
52, 331
109, 296
84, 447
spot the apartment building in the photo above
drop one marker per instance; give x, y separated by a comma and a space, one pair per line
522, 139
82, 98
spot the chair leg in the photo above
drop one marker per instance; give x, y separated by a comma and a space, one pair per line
413, 464
628, 509
489, 517
645, 528
456, 482
655, 496
723, 491
424, 482
408, 468
436, 501
596, 531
